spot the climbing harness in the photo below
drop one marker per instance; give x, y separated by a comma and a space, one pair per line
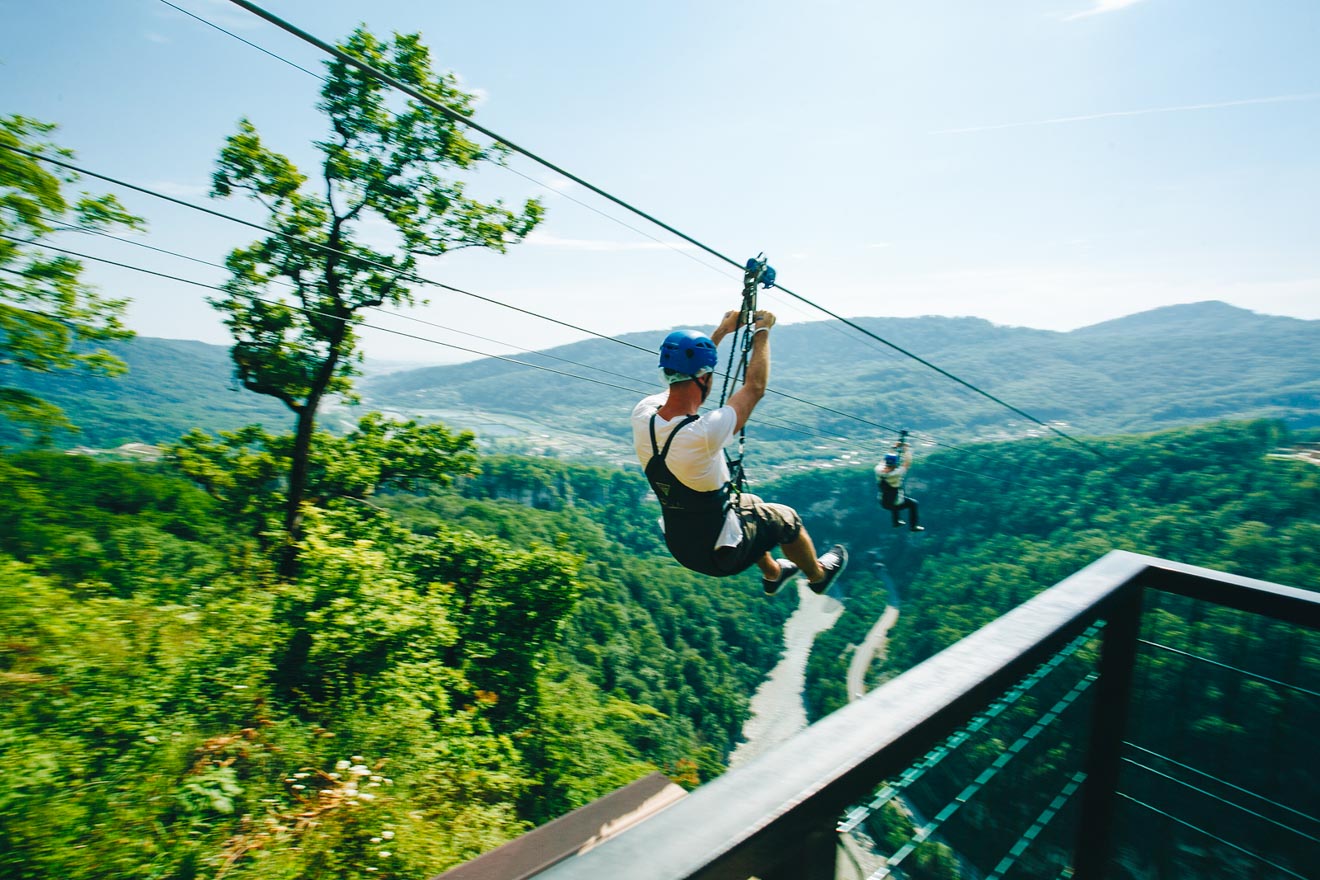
756, 273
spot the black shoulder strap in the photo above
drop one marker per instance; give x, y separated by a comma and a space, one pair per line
655, 449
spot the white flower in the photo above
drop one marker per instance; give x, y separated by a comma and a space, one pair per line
152, 739
375, 778
301, 775
388, 835
359, 770
358, 759
375, 840
341, 765
366, 796
299, 787
385, 854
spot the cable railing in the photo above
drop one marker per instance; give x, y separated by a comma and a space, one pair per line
942, 771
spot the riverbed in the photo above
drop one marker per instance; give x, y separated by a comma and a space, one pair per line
777, 712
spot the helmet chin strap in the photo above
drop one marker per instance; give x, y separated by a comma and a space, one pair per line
705, 386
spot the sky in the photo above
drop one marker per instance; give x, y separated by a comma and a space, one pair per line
1039, 163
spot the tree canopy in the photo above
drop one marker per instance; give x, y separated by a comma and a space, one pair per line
294, 298
49, 316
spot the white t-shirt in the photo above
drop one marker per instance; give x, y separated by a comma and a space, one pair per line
696, 457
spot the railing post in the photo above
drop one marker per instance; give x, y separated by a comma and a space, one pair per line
814, 859
1109, 717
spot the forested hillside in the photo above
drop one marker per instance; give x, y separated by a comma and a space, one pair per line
455, 663
171, 386
1007, 520
1173, 366
414, 697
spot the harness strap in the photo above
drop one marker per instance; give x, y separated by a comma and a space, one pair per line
655, 449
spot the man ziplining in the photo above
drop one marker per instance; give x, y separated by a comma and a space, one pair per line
890, 475
710, 527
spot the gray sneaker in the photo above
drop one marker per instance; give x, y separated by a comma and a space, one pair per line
787, 571
835, 561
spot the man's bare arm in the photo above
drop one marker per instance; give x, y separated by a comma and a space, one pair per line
745, 399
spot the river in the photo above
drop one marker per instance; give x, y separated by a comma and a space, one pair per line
777, 710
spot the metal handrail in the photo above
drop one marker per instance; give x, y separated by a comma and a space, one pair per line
775, 817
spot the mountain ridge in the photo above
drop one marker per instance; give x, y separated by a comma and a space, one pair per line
1172, 366
831, 386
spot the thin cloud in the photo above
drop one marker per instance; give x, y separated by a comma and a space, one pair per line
590, 244
1181, 108
1101, 7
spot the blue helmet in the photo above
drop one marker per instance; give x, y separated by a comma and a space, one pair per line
891, 460
689, 353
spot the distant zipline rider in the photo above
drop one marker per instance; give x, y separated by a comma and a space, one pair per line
890, 476
711, 526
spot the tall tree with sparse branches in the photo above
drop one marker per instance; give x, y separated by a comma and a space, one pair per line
50, 319
294, 299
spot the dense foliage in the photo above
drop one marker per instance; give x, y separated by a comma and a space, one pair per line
470, 651
293, 300
172, 708
170, 387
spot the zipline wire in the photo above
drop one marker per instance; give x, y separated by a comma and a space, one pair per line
377, 309
457, 117
317, 245
308, 310
543, 185
508, 168
529, 178
419, 279
764, 420
230, 33
760, 419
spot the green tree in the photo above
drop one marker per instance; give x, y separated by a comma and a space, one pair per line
294, 298
243, 469
47, 313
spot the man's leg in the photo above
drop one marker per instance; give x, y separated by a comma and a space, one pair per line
775, 522
802, 552
769, 568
